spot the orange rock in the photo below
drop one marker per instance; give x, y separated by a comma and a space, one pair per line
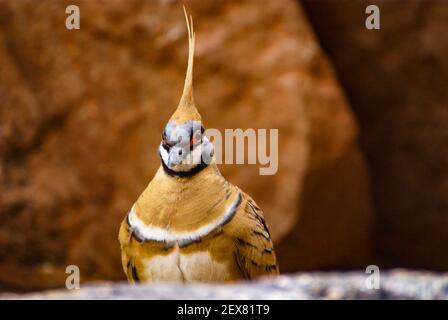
396, 79
95, 101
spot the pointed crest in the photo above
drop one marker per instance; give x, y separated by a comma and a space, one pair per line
186, 109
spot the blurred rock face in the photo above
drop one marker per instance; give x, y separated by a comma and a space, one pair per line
397, 80
82, 112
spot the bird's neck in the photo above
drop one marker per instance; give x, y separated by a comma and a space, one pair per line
184, 204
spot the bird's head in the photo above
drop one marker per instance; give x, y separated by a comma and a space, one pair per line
184, 149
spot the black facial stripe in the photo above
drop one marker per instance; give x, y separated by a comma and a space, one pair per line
166, 147
183, 174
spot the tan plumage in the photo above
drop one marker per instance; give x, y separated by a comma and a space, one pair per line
194, 227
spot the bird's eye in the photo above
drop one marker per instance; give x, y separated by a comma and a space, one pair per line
195, 138
198, 136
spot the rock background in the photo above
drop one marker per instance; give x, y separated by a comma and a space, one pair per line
82, 111
396, 80
81, 114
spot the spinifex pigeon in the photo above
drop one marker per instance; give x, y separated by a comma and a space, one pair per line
190, 224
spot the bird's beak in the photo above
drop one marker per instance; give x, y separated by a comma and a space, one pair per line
172, 161
175, 156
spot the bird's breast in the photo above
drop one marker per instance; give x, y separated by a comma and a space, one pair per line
180, 266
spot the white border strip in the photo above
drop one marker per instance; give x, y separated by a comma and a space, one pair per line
149, 232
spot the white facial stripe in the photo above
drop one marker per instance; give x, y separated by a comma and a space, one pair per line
149, 232
163, 154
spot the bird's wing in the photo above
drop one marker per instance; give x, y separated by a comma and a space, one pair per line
254, 251
128, 263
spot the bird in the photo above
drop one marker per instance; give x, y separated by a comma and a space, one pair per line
190, 224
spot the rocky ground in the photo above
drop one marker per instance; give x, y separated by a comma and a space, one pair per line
396, 284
